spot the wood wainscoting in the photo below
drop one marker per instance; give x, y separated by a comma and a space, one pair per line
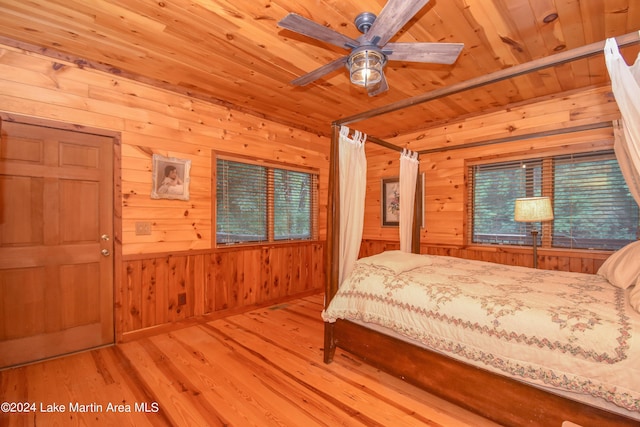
160, 292
581, 261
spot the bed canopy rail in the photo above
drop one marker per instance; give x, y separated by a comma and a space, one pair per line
532, 135
582, 52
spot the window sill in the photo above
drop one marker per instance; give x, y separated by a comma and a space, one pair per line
262, 245
594, 253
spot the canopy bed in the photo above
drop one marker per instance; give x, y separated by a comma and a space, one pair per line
455, 364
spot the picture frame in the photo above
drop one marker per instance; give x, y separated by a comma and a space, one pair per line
170, 178
390, 202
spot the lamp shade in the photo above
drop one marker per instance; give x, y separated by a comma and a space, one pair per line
365, 67
533, 209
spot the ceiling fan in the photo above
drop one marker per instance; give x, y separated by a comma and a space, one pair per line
371, 51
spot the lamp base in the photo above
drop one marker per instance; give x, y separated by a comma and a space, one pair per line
534, 236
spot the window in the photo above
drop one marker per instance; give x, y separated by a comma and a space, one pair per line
593, 208
258, 202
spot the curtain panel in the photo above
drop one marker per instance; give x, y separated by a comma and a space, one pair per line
408, 177
353, 184
625, 83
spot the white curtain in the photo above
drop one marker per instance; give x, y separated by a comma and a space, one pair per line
625, 83
353, 184
408, 177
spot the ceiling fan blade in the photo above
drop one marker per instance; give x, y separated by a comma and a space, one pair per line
316, 74
436, 53
307, 27
393, 16
380, 87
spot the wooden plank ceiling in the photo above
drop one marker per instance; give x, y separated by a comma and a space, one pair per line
233, 52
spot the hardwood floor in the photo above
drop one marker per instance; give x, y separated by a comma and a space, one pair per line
262, 368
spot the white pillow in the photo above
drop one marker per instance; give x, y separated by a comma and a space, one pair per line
634, 297
397, 261
622, 268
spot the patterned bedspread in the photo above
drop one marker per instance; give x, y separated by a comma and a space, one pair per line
569, 331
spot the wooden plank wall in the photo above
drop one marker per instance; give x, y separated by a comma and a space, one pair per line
179, 255
153, 121
445, 185
563, 260
213, 284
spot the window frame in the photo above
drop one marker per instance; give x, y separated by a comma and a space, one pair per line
546, 155
270, 165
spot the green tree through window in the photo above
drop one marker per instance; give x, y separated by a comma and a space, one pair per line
257, 202
292, 204
593, 207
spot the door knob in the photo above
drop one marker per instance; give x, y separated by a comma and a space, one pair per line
105, 252
105, 237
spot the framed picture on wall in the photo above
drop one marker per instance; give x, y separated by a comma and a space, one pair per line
391, 201
170, 178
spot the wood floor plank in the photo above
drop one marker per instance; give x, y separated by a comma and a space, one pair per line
244, 387
260, 368
75, 384
258, 372
351, 398
175, 397
349, 371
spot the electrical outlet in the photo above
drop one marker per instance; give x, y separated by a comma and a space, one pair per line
143, 228
182, 298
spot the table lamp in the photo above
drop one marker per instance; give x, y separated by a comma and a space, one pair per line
533, 209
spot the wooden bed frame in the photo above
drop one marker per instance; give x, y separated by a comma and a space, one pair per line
496, 397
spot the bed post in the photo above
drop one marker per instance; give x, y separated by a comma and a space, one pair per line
417, 216
332, 255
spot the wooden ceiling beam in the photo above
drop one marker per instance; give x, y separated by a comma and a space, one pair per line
507, 73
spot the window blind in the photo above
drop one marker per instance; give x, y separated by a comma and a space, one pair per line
593, 208
241, 204
292, 204
495, 187
258, 202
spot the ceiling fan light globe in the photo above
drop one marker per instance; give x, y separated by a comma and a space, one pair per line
366, 78
365, 67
